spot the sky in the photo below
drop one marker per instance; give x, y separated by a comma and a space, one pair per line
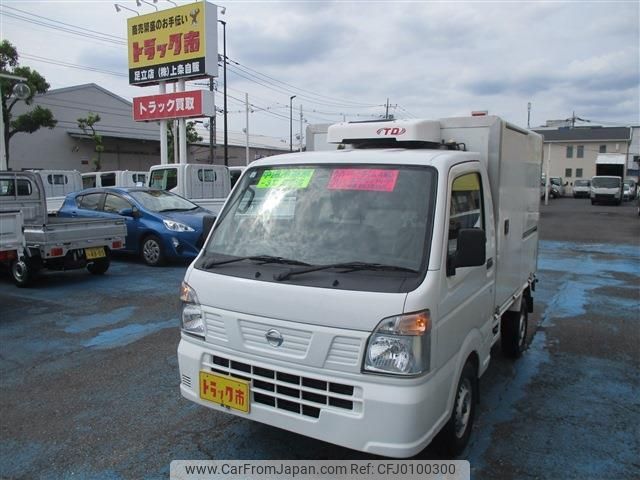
344, 59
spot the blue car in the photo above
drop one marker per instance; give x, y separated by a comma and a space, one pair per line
160, 225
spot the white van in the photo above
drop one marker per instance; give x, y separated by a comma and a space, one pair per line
116, 178
353, 296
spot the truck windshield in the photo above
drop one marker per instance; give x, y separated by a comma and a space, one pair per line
327, 214
605, 182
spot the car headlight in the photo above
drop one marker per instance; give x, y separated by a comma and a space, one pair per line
400, 345
191, 316
177, 226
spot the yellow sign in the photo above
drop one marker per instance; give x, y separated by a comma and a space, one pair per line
226, 391
174, 43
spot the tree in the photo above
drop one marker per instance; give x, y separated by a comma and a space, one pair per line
87, 126
32, 120
192, 137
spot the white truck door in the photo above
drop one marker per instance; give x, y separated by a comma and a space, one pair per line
466, 299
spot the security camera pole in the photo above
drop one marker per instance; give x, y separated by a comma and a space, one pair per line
21, 94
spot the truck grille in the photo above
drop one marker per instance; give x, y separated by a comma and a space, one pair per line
293, 393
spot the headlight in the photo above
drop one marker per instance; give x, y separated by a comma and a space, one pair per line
177, 226
192, 319
400, 345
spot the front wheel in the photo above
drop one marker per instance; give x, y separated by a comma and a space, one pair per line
152, 252
513, 331
22, 272
453, 438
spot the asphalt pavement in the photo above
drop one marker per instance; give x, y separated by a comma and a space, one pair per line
89, 379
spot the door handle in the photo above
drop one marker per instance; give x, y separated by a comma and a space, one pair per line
489, 263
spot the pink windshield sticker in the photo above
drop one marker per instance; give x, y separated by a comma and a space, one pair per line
376, 180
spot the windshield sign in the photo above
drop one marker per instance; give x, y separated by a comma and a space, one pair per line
321, 215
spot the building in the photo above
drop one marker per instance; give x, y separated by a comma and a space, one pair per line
128, 145
572, 151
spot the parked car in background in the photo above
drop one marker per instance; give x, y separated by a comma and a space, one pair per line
581, 188
160, 225
557, 187
626, 192
633, 188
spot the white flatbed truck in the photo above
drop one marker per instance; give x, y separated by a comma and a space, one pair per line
374, 280
51, 242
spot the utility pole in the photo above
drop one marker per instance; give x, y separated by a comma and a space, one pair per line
291, 122
246, 102
212, 125
300, 127
386, 112
529, 115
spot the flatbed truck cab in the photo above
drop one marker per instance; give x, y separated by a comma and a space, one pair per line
354, 295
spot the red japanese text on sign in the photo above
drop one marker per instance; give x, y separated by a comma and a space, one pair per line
371, 179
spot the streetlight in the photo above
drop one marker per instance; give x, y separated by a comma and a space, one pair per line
224, 73
140, 2
291, 122
21, 91
120, 7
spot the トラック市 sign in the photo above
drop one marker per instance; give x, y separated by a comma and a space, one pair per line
174, 43
197, 103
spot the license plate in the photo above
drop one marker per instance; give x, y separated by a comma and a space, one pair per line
95, 252
226, 391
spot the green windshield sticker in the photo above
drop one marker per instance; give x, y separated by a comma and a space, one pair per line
286, 178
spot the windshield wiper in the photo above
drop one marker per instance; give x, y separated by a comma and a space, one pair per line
257, 258
348, 266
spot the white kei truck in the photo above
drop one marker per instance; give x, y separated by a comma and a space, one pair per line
354, 296
115, 178
57, 184
205, 185
54, 243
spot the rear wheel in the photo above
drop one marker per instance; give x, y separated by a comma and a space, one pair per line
152, 252
22, 272
453, 438
99, 266
513, 331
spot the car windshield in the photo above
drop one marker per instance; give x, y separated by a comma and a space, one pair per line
328, 214
161, 201
582, 183
605, 182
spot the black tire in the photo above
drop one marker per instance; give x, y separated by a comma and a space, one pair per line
454, 436
22, 272
513, 332
593, 202
151, 251
99, 266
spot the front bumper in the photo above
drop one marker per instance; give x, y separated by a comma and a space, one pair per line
395, 418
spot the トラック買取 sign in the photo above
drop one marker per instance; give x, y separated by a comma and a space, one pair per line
196, 103
174, 43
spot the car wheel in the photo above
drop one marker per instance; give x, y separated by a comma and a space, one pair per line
152, 253
593, 202
454, 436
513, 332
22, 272
99, 266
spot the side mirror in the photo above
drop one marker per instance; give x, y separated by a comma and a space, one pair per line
130, 212
471, 250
